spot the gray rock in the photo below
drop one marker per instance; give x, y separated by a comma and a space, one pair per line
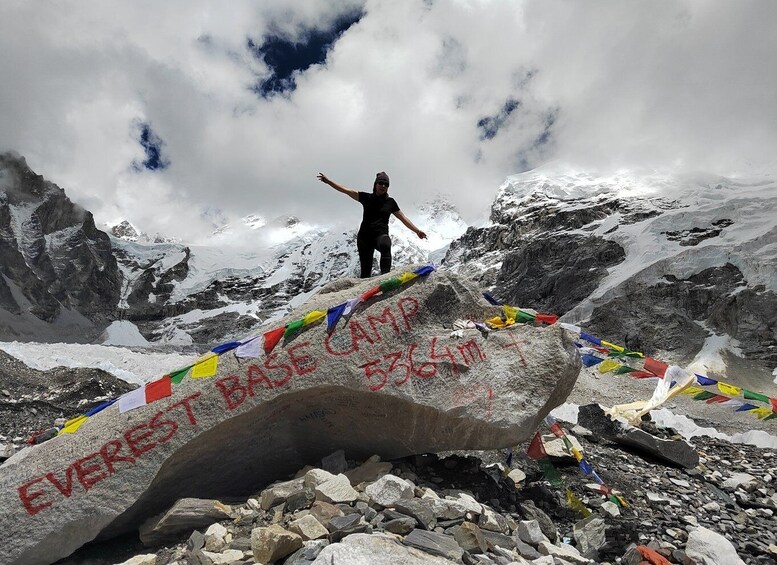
278, 493
388, 489
677, 452
376, 549
434, 543
272, 543
400, 526
369, 471
185, 515
589, 536
123, 468
300, 500
335, 462
420, 509
470, 538
707, 547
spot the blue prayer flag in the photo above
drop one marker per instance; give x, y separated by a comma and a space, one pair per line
224, 347
333, 315
592, 339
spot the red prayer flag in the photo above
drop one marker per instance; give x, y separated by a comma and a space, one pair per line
642, 375
272, 338
718, 398
774, 404
156, 390
536, 449
370, 293
658, 368
546, 318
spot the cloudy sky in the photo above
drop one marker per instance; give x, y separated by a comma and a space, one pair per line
171, 113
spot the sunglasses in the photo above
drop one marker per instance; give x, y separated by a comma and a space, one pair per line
381, 183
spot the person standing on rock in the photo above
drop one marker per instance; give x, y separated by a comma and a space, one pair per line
374, 229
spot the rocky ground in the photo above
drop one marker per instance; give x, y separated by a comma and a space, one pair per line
486, 516
464, 508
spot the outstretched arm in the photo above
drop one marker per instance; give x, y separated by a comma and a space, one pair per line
409, 224
338, 187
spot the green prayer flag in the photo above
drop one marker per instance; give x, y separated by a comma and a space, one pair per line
704, 395
293, 327
177, 376
770, 416
390, 284
750, 395
623, 369
524, 317
550, 472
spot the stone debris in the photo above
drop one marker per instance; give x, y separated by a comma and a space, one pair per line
456, 497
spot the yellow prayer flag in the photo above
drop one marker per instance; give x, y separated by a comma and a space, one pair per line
73, 424
313, 317
205, 368
577, 455
761, 412
728, 389
608, 365
692, 390
510, 311
613, 346
407, 277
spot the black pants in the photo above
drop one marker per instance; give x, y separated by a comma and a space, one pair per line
367, 243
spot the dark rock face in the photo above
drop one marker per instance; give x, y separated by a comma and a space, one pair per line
662, 316
554, 274
52, 256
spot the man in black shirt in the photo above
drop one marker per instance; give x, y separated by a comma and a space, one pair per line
373, 232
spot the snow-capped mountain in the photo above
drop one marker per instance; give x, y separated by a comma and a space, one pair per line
680, 265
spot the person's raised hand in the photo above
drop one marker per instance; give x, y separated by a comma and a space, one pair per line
421, 234
322, 178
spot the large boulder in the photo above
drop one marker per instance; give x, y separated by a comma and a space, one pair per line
391, 380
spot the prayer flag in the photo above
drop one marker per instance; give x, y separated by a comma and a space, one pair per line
369, 294
272, 338
705, 381
350, 305
762, 412
585, 466
536, 450
224, 347
205, 368
407, 277
717, 399
162, 388
333, 316
549, 319
570, 327
293, 327
177, 376
774, 403
590, 338
590, 360
250, 348
642, 375
423, 271
132, 399
746, 407
99, 408
550, 472
608, 365
617, 348
491, 299
389, 284
733, 402
510, 311
729, 389
623, 369
693, 390
73, 424
525, 316
704, 395
576, 504
658, 368
750, 395
313, 317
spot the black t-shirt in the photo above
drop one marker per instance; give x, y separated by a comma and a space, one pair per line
377, 210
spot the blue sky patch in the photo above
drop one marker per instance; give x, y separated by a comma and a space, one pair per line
284, 56
152, 145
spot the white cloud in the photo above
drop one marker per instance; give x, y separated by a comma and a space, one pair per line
686, 83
